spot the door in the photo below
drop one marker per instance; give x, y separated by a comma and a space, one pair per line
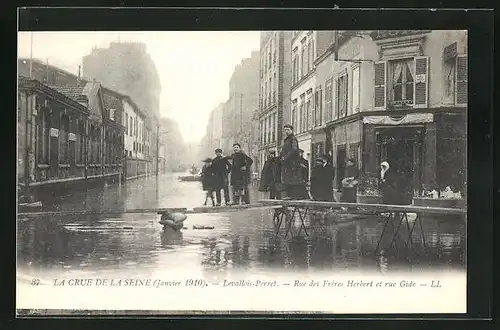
400, 157
341, 158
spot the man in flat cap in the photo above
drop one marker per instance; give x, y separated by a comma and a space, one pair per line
291, 172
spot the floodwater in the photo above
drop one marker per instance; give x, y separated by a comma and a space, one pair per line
243, 241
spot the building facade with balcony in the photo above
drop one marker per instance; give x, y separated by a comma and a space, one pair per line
399, 96
274, 91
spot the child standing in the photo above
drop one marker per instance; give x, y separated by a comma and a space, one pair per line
208, 180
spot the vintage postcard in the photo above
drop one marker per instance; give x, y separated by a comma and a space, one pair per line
242, 171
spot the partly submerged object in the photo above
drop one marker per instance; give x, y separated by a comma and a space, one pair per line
173, 220
202, 227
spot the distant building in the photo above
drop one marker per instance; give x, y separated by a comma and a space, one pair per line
274, 91
238, 110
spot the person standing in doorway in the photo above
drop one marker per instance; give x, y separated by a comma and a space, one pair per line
304, 165
350, 182
388, 184
291, 172
270, 176
240, 166
221, 167
322, 180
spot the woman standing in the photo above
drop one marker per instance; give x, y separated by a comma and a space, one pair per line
350, 183
388, 184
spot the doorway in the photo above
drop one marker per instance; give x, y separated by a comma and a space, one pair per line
341, 158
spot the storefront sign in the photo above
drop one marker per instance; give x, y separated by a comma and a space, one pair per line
408, 119
54, 132
72, 136
420, 78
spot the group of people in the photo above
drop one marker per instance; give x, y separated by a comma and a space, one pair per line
285, 176
221, 171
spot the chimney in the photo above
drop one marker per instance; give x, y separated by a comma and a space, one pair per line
79, 73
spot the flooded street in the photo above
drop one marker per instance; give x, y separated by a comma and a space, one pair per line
241, 242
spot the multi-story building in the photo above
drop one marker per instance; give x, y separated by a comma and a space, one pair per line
239, 108
127, 68
274, 90
399, 96
303, 87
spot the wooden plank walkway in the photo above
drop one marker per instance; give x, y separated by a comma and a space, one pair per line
364, 207
196, 210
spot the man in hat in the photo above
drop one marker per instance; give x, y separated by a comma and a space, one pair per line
240, 166
207, 180
271, 176
221, 167
322, 180
291, 172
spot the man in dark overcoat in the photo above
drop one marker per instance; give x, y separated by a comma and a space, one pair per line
271, 176
322, 180
221, 168
240, 166
291, 172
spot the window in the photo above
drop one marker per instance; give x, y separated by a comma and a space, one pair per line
302, 59
269, 91
269, 55
274, 127
265, 95
294, 114
328, 100
355, 88
318, 107
274, 87
401, 79
126, 123
354, 153
310, 50
131, 126
305, 53
64, 140
302, 113
43, 136
295, 65
269, 127
309, 110
342, 95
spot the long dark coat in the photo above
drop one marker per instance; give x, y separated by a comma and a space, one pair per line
291, 172
221, 168
207, 178
389, 188
271, 175
240, 177
322, 183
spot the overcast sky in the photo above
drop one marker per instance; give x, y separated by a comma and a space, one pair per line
194, 67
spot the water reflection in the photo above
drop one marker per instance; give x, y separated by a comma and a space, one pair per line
239, 241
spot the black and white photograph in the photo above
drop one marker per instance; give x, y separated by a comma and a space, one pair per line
307, 171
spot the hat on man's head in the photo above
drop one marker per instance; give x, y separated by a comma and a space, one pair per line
218, 150
288, 126
207, 160
272, 152
300, 150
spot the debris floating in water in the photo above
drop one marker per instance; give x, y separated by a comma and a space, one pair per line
127, 227
203, 227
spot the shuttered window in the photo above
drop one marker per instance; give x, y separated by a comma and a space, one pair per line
328, 101
421, 81
461, 80
380, 85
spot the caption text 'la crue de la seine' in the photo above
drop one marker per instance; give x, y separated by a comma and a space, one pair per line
201, 283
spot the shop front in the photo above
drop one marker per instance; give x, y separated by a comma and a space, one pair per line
346, 139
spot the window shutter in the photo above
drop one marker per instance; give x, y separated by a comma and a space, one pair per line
421, 82
461, 80
333, 97
347, 112
380, 91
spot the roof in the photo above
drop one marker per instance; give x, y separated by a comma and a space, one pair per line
71, 91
